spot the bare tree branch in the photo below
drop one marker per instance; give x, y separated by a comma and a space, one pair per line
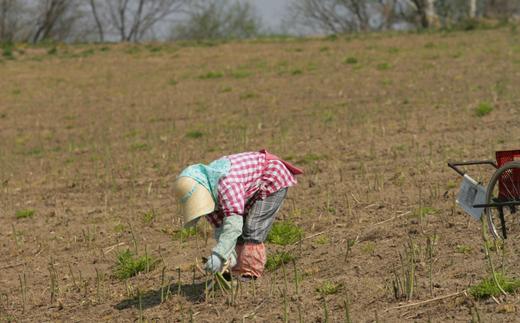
99, 25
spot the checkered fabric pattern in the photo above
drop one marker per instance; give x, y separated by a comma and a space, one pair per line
250, 178
258, 221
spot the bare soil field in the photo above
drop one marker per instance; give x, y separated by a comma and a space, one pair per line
92, 137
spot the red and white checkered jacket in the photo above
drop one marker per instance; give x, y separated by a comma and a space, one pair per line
252, 176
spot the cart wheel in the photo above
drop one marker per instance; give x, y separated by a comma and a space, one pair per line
504, 186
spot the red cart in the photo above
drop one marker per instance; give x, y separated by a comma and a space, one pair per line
498, 202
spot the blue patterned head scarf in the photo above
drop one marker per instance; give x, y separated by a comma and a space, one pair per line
208, 175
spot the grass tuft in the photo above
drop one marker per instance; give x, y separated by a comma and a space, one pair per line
129, 265
350, 60
488, 288
211, 75
276, 260
284, 233
328, 288
22, 214
383, 66
483, 109
185, 233
194, 134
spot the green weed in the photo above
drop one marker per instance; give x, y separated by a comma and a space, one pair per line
328, 288
194, 134
424, 211
483, 109
133, 50
323, 239
149, 216
87, 52
276, 260
296, 72
119, 228
226, 89
211, 75
464, 249
22, 214
52, 51
383, 66
393, 50
451, 184
488, 288
139, 146
185, 233
248, 95
350, 60
369, 247
129, 265
240, 74
7, 52
284, 233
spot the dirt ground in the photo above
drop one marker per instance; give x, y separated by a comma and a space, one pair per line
92, 137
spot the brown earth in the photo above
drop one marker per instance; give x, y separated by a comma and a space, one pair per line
93, 136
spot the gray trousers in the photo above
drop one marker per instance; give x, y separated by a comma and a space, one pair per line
260, 218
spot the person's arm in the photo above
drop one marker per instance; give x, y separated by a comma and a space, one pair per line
230, 230
231, 203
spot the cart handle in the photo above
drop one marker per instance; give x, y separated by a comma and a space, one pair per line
454, 165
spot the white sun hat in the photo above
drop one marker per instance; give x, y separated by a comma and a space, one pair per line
194, 199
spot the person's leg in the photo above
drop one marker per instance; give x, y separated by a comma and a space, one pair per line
257, 224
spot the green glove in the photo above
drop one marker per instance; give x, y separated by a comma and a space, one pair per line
227, 235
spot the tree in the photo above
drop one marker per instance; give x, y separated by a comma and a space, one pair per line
133, 19
99, 25
333, 16
216, 19
501, 9
425, 10
49, 14
9, 19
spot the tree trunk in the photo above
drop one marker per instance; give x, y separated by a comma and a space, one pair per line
431, 15
98, 21
472, 9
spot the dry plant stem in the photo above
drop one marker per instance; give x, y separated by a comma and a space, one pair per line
488, 255
475, 315
347, 309
12, 265
325, 311
140, 305
427, 301
23, 290
73, 278
295, 277
285, 283
178, 280
163, 274
109, 249
285, 307
54, 284
98, 286
429, 250
15, 236
134, 240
